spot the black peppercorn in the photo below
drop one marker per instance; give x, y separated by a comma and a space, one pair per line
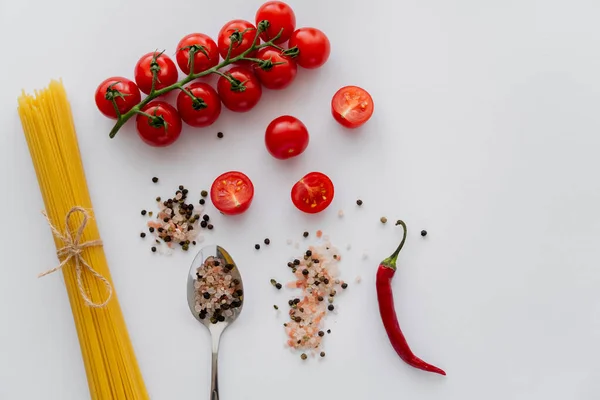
344, 285
142, 235
308, 253
257, 246
220, 135
202, 201
153, 249
423, 233
320, 298
303, 356
291, 302
278, 286
155, 179
359, 202
205, 217
296, 262
180, 187
267, 241
305, 234
304, 272
204, 193
322, 354
203, 224
151, 229
143, 212
210, 226
221, 318
330, 307
296, 301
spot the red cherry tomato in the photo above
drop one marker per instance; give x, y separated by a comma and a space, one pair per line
202, 62
280, 16
313, 193
245, 33
167, 74
286, 137
313, 45
202, 111
161, 131
232, 193
278, 76
352, 106
129, 96
239, 98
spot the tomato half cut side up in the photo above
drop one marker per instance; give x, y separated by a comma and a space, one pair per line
313, 193
352, 106
232, 193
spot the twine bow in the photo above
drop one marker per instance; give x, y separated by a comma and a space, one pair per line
73, 249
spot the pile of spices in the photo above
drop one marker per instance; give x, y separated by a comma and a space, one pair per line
177, 221
316, 275
218, 293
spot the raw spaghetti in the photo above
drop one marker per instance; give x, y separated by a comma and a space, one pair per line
110, 363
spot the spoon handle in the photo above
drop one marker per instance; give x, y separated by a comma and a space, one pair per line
214, 386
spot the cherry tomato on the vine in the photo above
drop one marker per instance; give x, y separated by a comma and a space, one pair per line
313, 46
199, 42
280, 73
280, 16
163, 125
167, 72
241, 95
286, 137
243, 33
124, 91
352, 106
201, 111
313, 193
232, 193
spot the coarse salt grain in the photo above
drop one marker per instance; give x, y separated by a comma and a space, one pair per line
340, 213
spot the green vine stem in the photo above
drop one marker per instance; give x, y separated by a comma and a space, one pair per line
123, 118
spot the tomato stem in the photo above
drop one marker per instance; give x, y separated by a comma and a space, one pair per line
155, 69
123, 118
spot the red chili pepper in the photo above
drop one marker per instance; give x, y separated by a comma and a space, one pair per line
385, 273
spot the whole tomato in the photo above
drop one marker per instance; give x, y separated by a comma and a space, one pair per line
286, 137
280, 16
201, 111
313, 46
124, 91
313, 193
243, 93
280, 73
243, 33
161, 126
205, 57
167, 71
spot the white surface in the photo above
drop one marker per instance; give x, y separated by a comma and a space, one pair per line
485, 133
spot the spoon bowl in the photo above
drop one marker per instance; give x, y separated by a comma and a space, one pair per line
215, 296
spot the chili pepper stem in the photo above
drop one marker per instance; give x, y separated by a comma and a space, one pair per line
390, 262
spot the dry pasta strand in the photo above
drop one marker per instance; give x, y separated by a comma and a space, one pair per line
108, 356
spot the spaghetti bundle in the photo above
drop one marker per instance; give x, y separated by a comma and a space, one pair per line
110, 363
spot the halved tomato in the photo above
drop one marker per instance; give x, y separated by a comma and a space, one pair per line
232, 193
352, 106
313, 193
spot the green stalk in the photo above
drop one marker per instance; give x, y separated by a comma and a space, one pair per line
123, 118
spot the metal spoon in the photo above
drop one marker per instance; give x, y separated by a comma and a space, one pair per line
215, 329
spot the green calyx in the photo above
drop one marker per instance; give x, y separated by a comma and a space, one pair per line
390, 262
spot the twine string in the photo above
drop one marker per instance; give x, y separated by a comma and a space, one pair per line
72, 250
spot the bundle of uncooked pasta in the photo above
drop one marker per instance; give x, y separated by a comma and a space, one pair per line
110, 363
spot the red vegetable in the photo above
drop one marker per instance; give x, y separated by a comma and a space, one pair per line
124, 91
240, 91
385, 273
206, 52
313, 193
232, 193
286, 137
280, 16
167, 71
159, 125
313, 47
352, 106
280, 72
243, 34
201, 111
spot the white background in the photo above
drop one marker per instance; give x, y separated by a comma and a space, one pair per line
485, 133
